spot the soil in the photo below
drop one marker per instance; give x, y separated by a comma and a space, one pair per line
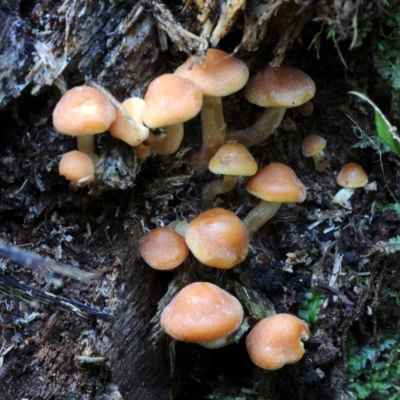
48, 352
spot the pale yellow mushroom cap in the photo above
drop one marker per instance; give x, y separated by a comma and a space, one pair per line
171, 100
163, 249
122, 130
312, 144
284, 86
276, 341
83, 110
233, 159
221, 75
352, 176
77, 166
277, 183
218, 238
202, 312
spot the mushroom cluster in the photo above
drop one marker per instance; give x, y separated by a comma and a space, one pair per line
203, 312
174, 98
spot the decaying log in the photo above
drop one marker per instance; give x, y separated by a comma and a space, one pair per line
61, 44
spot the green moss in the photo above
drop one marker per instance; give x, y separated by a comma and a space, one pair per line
311, 307
374, 369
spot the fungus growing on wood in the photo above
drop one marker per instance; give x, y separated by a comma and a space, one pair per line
83, 112
221, 75
313, 146
170, 101
77, 167
232, 160
275, 89
276, 341
274, 184
218, 238
350, 177
163, 249
202, 313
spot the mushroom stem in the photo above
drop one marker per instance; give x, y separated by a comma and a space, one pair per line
259, 215
214, 128
179, 227
170, 142
86, 144
264, 127
320, 161
218, 186
217, 343
342, 197
146, 147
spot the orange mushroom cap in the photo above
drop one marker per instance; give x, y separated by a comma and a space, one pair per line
277, 340
312, 144
122, 130
218, 238
284, 86
352, 176
170, 100
233, 159
77, 166
277, 183
163, 249
202, 312
83, 110
220, 76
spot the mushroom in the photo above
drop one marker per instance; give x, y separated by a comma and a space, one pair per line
350, 177
202, 313
276, 341
77, 167
218, 238
306, 109
221, 75
170, 101
163, 249
232, 160
274, 184
121, 129
83, 111
275, 89
313, 146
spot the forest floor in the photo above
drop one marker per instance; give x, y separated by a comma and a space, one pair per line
316, 259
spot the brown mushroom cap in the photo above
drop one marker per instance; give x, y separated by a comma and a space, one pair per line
218, 238
306, 109
77, 166
201, 312
83, 110
122, 130
276, 341
284, 86
352, 176
220, 76
312, 144
233, 159
170, 100
277, 183
163, 249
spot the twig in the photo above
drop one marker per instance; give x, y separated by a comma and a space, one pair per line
28, 294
